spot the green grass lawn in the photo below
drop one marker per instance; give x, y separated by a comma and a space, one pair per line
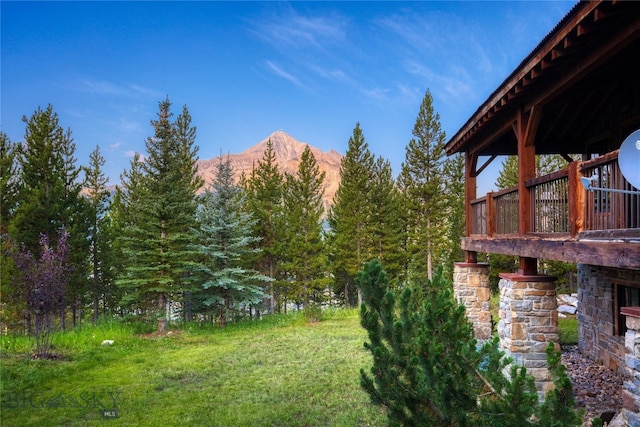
282, 372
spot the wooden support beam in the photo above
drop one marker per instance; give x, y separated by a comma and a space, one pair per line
526, 127
577, 195
608, 254
491, 215
471, 257
470, 163
528, 266
485, 164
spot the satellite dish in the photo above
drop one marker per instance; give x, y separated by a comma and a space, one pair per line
629, 159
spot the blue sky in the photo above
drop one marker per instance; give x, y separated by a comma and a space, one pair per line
247, 69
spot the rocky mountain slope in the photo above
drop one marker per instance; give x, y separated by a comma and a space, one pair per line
288, 152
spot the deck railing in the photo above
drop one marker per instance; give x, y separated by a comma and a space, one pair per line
560, 205
550, 203
506, 211
609, 210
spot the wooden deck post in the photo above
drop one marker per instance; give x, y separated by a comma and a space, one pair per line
469, 190
525, 128
576, 200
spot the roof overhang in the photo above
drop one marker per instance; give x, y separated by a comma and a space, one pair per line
581, 72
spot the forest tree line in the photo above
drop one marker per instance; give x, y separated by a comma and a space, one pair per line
158, 247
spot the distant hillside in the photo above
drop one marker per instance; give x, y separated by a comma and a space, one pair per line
288, 151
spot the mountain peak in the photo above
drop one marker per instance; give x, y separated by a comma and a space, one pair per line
285, 146
288, 152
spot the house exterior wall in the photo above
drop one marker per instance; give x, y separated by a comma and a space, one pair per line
598, 310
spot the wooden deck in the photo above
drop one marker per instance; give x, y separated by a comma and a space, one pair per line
566, 222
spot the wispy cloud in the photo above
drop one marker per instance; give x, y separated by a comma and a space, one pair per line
377, 94
330, 74
282, 73
421, 39
103, 87
290, 29
452, 86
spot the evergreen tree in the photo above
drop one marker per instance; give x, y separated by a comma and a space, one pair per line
387, 220
43, 174
224, 241
50, 198
161, 198
99, 237
429, 371
264, 202
14, 301
424, 190
9, 184
350, 215
127, 217
304, 252
455, 210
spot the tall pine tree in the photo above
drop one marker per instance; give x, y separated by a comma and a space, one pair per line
387, 220
304, 250
99, 236
50, 198
350, 215
264, 200
159, 227
10, 312
224, 241
424, 190
455, 211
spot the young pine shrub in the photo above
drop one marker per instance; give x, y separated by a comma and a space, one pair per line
429, 371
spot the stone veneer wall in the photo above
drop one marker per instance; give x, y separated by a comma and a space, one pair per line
631, 392
528, 323
595, 313
471, 288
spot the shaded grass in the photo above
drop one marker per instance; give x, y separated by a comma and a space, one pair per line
280, 372
568, 330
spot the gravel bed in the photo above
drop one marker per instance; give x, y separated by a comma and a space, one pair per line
597, 389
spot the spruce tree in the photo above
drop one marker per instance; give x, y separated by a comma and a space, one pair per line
9, 193
387, 220
128, 219
9, 183
264, 202
350, 215
43, 175
160, 194
428, 369
424, 190
50, 198
455, 210
224, 241
304, 252
99, 237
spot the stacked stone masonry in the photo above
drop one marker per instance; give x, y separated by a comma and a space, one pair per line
528, 323
631, 392
471, 288
596, 314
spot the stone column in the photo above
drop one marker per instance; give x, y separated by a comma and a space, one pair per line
471, 288
631, 392
528, 323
